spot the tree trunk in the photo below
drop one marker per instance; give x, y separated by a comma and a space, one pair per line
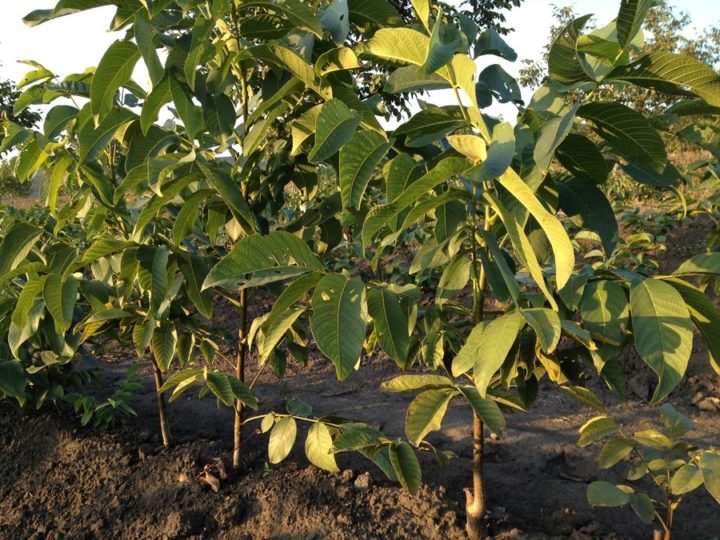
240, 374
164, 430
475, 499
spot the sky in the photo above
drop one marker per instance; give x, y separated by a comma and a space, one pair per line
71, 44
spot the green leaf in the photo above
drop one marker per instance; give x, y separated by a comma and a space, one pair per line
486, 409
552, 227
581, 198
373, 13
582, 158
294, 11
338, 59
490, 42
195, 270
687, 478
336, 20
142, 334
397, 46
113, 71
144, 33
426, 412
487, 348
629, 133
391, 323
546, 324
407, 79
188, 214
551, 136
159, 96
406, 465
630, 19
244, 393
705, 316
501, 150
92, 140
563, 63
710, 466
595, 429
190, 114
17, 243
219, 175
337, 321
273, 257
614, 451
163, 344
705, 263
336, 124
12, 379
663, 332
673, 74
57, 118
409, 383
60, 300
282, 438
453, 279
358, 160
445, 41
318, 448
219, 385
430, 125
273, 332
643, 506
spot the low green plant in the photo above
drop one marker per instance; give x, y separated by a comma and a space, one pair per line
106, 413
674, 465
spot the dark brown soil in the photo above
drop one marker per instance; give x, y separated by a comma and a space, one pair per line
58, 480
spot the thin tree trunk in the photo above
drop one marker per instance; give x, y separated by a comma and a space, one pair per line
240, 374
164, 430
475, 499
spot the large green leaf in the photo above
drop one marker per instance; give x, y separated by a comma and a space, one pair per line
604, 310
601, 493
630, 19
282, 438
710, 466
546, 324
92, 140
60, 297
337, 321
500, 151
358, 160
705, 316
486, 409
295, 11
318, 447
552, 227
391, 323
673, 74
12, 379
581, 199
431, 124
405, 464
113, 71
190, 114
663, 332
409, 383
379, 216
705, 263
17, 243
257, 260
159, 96
397, 45
373, 13
487, 347
582, 158
336, 124
194, 269
219, 175
274, 331
551, 136
629, 133
426, 412
563, 63
57, 118
523, 248
407, 79
163, 344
